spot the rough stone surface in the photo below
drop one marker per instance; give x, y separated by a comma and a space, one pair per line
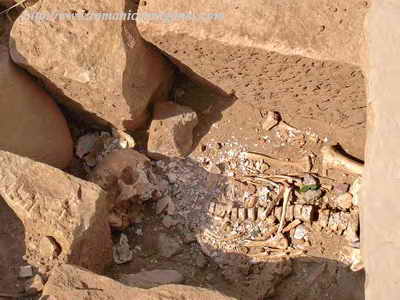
221, 50
48, 247
171, 131
151, 279
31, 123
52, 203
380, 206
69, 282
103, 68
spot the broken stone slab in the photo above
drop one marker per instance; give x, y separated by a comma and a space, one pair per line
171, 131
218, 47
70, 282
31, 123
151, 279
51, 203
102, 70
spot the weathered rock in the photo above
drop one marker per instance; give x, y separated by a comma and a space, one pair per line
222, 49
151, 279
48, 247
93, 147
98, 67
52, 203
69, 282
171, 131
168, 246
31, 123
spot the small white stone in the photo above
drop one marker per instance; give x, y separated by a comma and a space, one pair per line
300, 232
122, 252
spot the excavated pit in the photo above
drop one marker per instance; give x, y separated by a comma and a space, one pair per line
325, 101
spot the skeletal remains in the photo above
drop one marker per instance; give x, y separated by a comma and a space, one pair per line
333, 220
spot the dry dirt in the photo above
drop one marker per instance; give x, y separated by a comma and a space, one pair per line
324, 100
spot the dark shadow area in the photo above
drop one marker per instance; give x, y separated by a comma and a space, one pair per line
205, 95
12, 250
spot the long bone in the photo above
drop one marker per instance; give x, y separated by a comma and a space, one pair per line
333, 159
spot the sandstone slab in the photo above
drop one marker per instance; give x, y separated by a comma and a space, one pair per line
151, 279
171, 131
95, 66
31, 123
232, 43
52, 203
69, 282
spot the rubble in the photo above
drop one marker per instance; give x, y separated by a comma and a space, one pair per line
122, 252
93, 147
